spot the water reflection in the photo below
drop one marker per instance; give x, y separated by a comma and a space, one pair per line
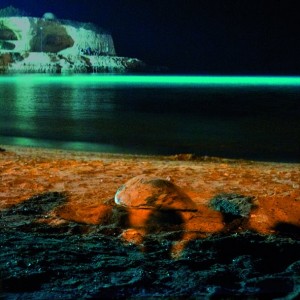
32, 114
256, 123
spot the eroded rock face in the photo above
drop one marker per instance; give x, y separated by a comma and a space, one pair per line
38, 62
7, 45
5, 59
51, 36
79, 48
153, 193
7, 34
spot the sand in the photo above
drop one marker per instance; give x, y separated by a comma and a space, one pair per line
62, 236
91, 179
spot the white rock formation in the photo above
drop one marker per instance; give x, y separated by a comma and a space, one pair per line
52, 46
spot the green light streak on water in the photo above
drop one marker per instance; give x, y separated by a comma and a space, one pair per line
82, 146
148, 80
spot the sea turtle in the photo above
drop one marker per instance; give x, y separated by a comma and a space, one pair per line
143, 192
155, 205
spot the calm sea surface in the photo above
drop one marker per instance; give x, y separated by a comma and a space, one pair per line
254, 122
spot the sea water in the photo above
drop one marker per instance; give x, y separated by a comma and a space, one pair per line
234, 117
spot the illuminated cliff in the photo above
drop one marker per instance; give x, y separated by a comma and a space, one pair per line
48, 45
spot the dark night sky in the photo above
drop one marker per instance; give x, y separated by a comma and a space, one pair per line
193, 36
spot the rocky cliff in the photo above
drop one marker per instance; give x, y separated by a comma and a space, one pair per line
48, 45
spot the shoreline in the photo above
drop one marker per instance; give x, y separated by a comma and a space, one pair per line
60, 152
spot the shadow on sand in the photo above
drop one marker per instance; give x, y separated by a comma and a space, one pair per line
72, 260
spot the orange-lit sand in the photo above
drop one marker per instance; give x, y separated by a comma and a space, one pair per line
90, 180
